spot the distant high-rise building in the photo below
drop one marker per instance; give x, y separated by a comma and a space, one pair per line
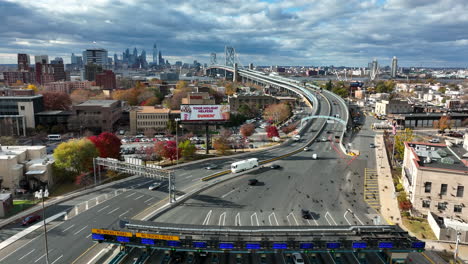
142, 59
155, 54
373, 69
135, 52
43, 59
23, 62
73, 59
116, 59
91, 70
160, 59
95, 56
394, 67
57, 60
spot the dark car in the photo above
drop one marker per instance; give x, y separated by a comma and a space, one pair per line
275, 166
30, 219
306, 214
253, 181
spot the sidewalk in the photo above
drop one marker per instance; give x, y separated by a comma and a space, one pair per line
388, 202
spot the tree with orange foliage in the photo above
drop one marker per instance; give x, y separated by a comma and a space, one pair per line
80, 95
56, 101
277, 113
445, 122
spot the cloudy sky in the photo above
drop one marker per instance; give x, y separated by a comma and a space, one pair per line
264, 32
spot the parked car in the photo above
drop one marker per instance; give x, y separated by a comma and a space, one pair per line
306, 148
30, 219
154, 186
434, 140
371, 145
211, 167
297, 258
253, 182
306, 214
455, 134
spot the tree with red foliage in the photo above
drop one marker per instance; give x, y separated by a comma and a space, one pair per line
289, 129
167, 149
56, 101
107, 144
247, 130
272, 131
405, 205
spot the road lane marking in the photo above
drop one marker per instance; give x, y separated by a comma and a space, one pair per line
26, 254
130, 195
222, 219
207, 218
349, 223
124, 213
43, 255
103, 208
57, 259
80, 230
188, 177
329, 215
149, 199
195, 180
274, 217
139, 197
228, 193
294, 217
113, 210
237, 220
68, 228
252, 219
88, 236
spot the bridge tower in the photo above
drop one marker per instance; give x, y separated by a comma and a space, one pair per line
230, 55
213, 60
251, 67
235, 75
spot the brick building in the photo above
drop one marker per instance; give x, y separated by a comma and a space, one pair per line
145, 118
96, 115
22, 76
67, 87
106, 80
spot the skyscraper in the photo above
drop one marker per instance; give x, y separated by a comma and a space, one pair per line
42, 59
155, 54
95, 56
23, 62
160, 59
394, 66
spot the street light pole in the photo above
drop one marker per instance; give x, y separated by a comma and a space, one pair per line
177, 140
44, 194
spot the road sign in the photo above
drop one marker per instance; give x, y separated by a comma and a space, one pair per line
111, 232
155, 236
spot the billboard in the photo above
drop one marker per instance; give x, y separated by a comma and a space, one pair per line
204, 112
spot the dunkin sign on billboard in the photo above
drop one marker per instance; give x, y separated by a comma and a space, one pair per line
204, 112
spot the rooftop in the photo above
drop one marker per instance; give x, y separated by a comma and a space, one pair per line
104, 103
439, 156
21, 97
152, 110
54, 112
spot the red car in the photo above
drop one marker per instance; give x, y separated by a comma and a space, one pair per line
30, 219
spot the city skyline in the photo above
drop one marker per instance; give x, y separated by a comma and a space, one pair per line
348, 33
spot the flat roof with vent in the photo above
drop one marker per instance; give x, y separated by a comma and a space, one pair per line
438, 156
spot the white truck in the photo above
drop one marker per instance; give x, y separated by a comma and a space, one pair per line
297, 138
244, 165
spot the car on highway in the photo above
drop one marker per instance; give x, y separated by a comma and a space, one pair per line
154, 186
275, 166
253, 182
306, 214
306, 148
30, 219
323, 139
297, 258
434, 140
371, 145
211, 167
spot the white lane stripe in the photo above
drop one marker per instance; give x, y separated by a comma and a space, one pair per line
57, 259
149, 199
26, 254
104, 208
139, 197
130, 195
80, 230
43, 255
123, 213
88, 236
228, 193
113, 210
65, 230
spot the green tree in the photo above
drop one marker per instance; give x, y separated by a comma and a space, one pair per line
181, 85
442, 89
329, 85
76, 155
400, 138
244, 110
187, 149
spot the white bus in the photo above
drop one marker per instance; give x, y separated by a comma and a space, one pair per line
54, 137
244, 165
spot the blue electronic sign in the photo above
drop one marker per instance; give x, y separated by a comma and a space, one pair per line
252, 246
306, 245
199, 244
147, 241
97, 236
359, 245
333, 245
280, 246
385, 244
418, 244
123, 239
172, 243
226, 245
